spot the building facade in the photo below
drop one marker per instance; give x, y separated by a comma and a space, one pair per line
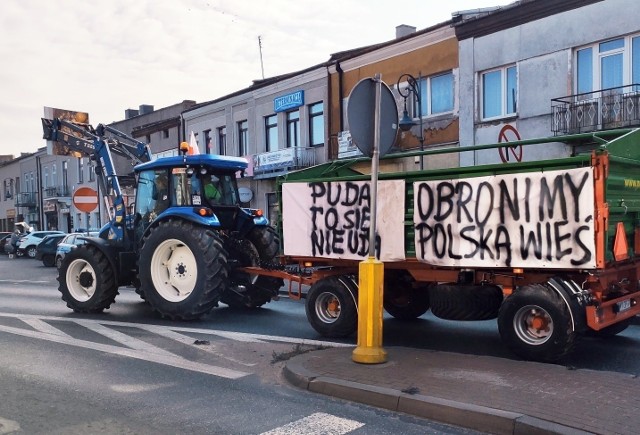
277, 124
542, 68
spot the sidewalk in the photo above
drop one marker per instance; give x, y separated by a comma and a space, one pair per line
484, 393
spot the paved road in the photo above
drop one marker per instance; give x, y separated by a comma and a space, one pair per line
287, 318
68, 374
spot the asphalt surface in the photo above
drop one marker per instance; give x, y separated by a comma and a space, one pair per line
484, 393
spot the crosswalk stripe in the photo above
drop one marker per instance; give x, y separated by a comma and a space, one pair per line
170, 360
41, 326
319, 423
119, 337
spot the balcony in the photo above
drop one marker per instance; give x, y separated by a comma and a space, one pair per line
600, 110
274, 163
56, 192
26, 199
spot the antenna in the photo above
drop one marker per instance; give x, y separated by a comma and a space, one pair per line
260, 48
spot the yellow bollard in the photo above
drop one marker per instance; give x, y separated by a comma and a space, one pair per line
371, 283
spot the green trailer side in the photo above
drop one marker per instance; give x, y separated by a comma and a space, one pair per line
601, 297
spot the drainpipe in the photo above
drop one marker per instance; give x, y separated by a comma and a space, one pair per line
340, 94
40, 193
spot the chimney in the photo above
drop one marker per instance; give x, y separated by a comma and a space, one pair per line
130, 113
145, 109
403, 30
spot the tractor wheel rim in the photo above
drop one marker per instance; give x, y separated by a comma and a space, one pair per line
174, 270
81, 280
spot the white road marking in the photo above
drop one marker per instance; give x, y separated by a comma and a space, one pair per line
317, 424
237, 336
8, 426
119, 337
142, 350
170, 360
41, 326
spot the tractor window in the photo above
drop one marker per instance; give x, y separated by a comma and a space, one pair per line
219, 189
152, 196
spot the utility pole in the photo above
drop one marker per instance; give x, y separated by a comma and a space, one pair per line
260, 48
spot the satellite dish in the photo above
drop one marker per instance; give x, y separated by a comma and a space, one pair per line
245, 194
361, 116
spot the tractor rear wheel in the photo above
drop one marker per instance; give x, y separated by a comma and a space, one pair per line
260, 248
87, 281
182, 269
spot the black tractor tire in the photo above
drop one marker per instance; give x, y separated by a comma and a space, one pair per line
48, 260
331, 306
182, 269
465, 301
86, 280
535, 323
260, 248
402, 298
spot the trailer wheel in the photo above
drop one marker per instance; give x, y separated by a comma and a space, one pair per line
331, 306
401, 298
260, 248
182, 269
87, 281
535, 323
465, 301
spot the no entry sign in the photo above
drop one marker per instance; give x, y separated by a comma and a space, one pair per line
85, 199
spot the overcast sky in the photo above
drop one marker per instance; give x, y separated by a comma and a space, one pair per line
106, 56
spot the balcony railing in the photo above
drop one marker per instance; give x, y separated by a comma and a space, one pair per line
26, 199
599, 110
56, 192
278, 162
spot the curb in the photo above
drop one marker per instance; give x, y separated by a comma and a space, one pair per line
451, 412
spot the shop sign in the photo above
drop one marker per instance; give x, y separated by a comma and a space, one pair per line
289, 101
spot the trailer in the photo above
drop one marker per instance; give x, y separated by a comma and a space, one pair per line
550, 248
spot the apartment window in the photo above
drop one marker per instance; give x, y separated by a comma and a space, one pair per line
499, 92
45, 181
436, 95
293, 129
243, 137
271, 133
316, 124
54, 175
92, 173
207, 141
222, 141
148, 138
608, 64
165, 134
65, 174
80, 170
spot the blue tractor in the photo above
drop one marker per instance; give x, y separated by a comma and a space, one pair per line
186, 244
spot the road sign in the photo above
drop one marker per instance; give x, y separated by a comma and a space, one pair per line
361, 109
85, 199
515, 151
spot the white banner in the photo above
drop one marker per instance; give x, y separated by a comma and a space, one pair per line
539, 219
332, 219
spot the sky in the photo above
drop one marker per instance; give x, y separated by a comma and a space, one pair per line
106, 56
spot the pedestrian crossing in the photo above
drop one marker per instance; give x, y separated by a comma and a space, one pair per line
108, 337
114, 341
316, 424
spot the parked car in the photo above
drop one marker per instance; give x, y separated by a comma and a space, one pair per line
46, 250
28, 243
4, 239
69, 242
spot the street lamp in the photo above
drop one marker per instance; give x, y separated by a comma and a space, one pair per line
406, 123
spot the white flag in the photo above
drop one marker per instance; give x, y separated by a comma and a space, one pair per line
193, 145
